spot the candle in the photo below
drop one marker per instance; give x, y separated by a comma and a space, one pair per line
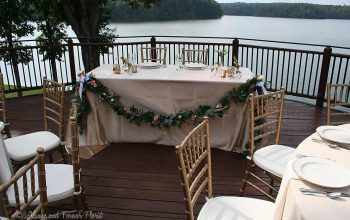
223, 73
116, 69
134, 68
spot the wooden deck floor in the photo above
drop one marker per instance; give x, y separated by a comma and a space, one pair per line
141, 181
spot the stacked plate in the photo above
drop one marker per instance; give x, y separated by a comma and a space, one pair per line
150, 65
322, 172
195, 66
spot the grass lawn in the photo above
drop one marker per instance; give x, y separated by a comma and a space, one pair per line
25, 93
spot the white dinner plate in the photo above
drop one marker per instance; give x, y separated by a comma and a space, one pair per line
150, 65
195, 66
334, 134
322, 172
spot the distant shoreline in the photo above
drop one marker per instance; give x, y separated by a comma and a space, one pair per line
287, 10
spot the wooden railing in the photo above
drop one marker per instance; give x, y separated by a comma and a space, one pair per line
301, 72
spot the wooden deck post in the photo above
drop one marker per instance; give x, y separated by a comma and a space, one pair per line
153, 49
235, 45
327, 53
71, 60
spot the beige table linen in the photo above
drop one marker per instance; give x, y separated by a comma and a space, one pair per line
165, 91
291, 204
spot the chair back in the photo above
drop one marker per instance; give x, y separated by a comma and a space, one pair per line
195, 165
154, 54
53, 100
195, 56
75, 145
25, 195
3, 112
338, 96
265, 119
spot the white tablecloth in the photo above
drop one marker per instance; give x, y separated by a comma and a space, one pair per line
291, 204
165, 91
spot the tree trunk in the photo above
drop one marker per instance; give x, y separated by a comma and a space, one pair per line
84, 17
54, 69
90, 54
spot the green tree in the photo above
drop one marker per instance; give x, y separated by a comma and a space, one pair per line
49, 23
88, 19
14, 24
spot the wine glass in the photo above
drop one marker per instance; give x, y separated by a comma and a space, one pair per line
179, 61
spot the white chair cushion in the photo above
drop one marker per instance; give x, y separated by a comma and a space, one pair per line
59, 183
236, 208
6, 171
24, 146
273, 158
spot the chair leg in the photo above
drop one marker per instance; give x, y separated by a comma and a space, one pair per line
246, 176
7, 131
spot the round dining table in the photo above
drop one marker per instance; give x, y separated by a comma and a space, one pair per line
292, 204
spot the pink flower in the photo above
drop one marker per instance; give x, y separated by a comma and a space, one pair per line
193, 117
218, 106
93, 83
126, 109
156, 118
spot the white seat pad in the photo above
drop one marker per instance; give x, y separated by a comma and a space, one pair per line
236, 208
59, 183
273, 158
24, 146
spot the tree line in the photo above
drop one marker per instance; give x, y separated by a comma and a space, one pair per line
167, 10
287, 10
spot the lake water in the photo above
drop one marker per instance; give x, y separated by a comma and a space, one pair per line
325, 32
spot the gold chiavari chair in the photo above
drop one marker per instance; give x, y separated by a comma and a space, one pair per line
3, 107
64, 180
338, 95
153, 54
195, 56
265, 127
27, 188
22, 148
194, 158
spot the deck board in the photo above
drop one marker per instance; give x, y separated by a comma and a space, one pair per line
141, 181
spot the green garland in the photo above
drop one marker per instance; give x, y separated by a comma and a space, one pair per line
139, 116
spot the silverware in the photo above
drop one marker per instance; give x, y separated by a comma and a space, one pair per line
329, 194
324, 142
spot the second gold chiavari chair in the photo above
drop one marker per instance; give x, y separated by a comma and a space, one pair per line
194, 158
3, 107
265, 127
154, 54
27, 188
22, 148
194, 56
338, 95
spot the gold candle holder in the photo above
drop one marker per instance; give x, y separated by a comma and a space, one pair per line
134, 68
222, 73
116, 69
229, 73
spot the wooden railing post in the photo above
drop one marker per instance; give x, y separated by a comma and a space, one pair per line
153, 49
235, 45
71, 60
327, 53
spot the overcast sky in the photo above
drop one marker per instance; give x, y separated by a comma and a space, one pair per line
324, 2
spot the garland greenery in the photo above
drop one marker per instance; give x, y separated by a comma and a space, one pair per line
140, 116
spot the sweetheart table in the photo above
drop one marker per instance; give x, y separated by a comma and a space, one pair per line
164, 90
